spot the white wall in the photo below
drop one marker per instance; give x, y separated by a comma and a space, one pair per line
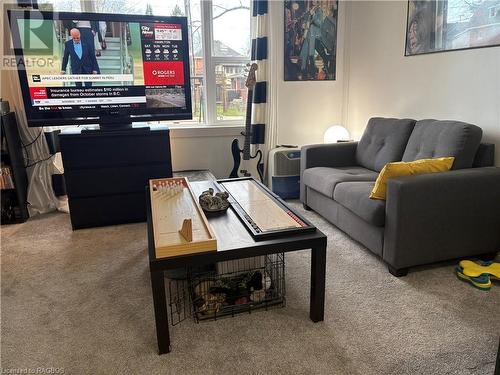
304, 109
457, 85
307, 109
204, 149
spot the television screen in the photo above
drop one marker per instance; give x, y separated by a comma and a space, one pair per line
97, 68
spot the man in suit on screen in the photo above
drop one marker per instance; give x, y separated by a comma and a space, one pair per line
81, 57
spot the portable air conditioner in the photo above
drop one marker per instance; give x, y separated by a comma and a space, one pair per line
284, 172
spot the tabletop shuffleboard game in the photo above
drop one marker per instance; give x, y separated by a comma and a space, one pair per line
264, 214
179, 224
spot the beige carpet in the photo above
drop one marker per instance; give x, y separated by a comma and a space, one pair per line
82, 301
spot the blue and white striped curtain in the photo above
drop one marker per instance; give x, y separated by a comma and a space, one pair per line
259, 55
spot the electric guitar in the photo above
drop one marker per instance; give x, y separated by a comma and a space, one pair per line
246, 165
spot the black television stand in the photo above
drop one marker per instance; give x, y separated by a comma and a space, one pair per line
112, 125
116, 130
106, 172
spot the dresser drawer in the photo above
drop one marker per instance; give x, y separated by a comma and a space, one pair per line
107, 210
113, 180
90, 151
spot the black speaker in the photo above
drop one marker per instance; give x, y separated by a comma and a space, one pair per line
14, 200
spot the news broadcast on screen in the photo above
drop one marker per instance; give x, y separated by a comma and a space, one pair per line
138, 65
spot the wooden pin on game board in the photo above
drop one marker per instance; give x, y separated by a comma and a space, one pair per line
187, 230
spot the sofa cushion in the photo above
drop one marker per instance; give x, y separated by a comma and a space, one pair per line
383, 141
433, 139
324, 179
408, 168
354, 197
485, 155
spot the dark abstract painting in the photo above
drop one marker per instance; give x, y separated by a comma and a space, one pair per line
310, 40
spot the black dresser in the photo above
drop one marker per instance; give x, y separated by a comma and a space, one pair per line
106, 172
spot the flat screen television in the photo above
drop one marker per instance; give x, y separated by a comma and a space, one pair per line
106, 69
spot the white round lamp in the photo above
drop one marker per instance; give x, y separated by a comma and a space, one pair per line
335, 133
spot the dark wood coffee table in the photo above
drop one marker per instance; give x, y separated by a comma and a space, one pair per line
233, 242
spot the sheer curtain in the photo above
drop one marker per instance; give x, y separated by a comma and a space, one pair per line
41, 198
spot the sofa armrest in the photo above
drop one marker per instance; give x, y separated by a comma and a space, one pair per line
440, 216
341, 154
328, 155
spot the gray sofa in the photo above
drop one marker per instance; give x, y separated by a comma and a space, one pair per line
425, 218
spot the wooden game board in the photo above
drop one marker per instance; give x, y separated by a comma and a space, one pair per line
172, 202
263, 213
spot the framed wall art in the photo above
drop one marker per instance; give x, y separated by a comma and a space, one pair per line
437, 25
310, 40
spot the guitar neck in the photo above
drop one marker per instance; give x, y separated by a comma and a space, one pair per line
248, 125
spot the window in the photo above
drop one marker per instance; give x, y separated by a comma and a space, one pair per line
219, 48
494, 11
60, 5
230, 52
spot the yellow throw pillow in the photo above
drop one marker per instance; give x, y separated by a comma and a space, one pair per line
410, 168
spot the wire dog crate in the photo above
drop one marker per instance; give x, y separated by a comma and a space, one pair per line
228, 288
